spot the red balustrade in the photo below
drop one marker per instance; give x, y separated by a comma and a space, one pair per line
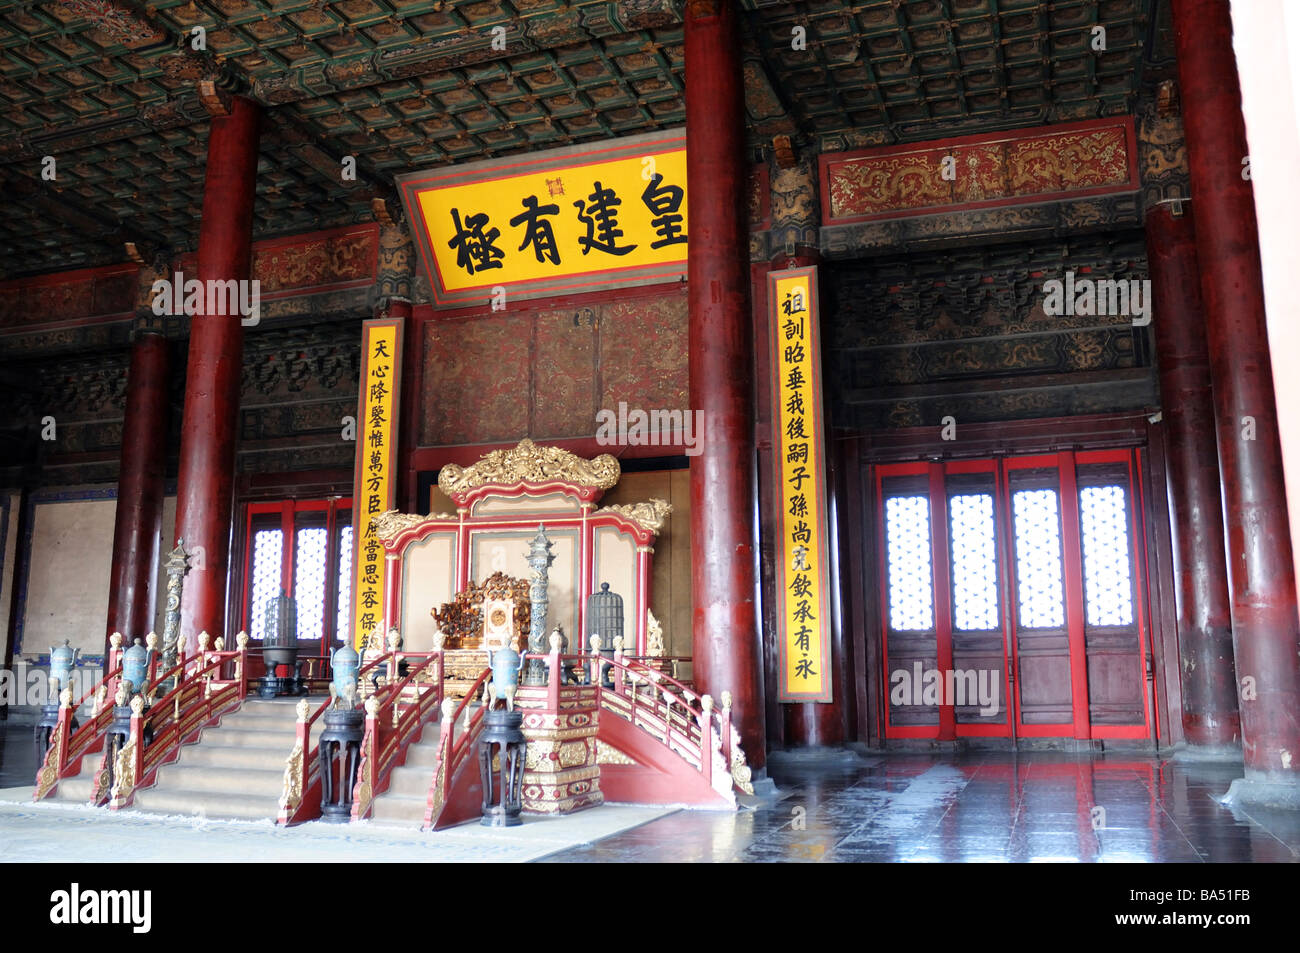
200, 696
395, 715
67, 748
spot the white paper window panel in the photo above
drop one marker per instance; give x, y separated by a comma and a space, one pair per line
615, 561
429, 581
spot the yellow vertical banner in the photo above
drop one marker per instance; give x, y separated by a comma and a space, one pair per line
374, 481
802, 570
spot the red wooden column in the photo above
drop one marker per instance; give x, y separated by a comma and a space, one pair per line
725, 635
1260, 571
137, 529
1211, 724
204, 495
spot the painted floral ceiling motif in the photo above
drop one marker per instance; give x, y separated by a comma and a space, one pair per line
114, 91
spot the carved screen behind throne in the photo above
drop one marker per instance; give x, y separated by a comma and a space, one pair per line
500, 501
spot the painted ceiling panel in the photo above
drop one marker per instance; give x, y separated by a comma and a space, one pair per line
109, 88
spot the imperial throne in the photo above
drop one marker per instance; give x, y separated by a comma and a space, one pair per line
452, 562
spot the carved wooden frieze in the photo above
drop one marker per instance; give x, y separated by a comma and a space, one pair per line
1088, 158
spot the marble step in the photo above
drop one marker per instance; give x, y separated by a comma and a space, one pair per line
214, 753
279, 740
187, 803
243, 780
403, 809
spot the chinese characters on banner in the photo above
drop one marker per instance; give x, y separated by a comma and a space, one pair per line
374, 481
802, 572
574, 219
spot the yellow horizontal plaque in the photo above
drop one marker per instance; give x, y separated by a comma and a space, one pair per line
576, 219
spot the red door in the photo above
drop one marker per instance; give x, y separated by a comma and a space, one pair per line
1012, 598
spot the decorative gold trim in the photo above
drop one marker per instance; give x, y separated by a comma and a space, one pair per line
741, 775
49, 773
608, 754
649, 516
529, 463
436, 798
291, 795
124, 772
391, 523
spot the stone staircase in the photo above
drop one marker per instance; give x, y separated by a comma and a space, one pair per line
408, 788
77, 790
235, 772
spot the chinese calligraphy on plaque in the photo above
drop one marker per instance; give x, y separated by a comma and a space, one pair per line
803, 573
374, 480
573, 219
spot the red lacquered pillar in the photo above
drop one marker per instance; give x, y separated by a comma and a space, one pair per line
725, 636
1211, 724
137, 528
1260, 571
204, 494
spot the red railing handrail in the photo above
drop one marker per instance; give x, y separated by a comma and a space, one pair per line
702, 716
214, 660
195, 701
94, 688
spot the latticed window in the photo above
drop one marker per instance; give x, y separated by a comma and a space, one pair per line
309, 575
1107, 572
1041, 596
911, 584
268, 550
344, 624
974, 562
316, 569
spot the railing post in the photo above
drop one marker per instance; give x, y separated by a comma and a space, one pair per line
595, 660
437, 671
448, 728
295, 774
130, 758
616, 674
241, 645
724, 726
151, 643
364, 792
706, 745
393, 642
554, 675
114, 659
51, 770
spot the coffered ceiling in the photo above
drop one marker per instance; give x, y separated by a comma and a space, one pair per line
111, 89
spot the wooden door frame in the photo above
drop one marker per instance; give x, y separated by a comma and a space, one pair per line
862, 449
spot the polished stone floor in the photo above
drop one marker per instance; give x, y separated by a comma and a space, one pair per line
984, 807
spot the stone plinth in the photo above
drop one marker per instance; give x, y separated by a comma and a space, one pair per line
560, 770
